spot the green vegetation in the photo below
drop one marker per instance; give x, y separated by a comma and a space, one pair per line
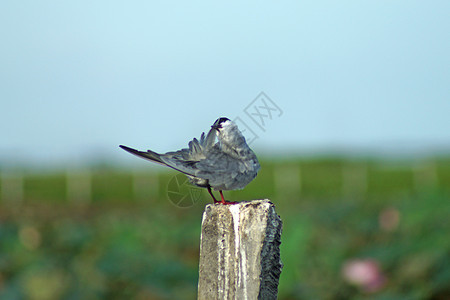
114, 233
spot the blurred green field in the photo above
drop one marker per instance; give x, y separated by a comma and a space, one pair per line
113, 233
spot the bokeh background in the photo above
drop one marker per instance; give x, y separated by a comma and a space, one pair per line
352, 131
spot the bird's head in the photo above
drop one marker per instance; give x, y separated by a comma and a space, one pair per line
228, 132
222, 124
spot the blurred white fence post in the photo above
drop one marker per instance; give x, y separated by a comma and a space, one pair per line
12, 187
354, 179
425, 175
79, 186
239, 251
145, 185
287, 179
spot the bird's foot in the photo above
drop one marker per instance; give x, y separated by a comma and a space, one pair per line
225, 202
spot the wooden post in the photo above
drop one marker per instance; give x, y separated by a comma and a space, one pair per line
239, 251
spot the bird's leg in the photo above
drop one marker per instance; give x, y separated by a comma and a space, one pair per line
210, 192
224, 201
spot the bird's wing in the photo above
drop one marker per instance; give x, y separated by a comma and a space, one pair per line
183, 160
219, 168
218, 161
200, 163
210, 140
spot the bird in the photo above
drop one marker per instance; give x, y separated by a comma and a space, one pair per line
220, 160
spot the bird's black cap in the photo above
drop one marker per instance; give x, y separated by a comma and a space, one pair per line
218, 123
221, 120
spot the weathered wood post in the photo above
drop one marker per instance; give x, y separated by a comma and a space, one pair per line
239, 251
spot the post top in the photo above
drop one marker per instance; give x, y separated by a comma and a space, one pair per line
240, 204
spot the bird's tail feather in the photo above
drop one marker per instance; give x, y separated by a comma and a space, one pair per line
149, 155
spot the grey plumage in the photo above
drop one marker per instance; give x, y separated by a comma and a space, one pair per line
227, 164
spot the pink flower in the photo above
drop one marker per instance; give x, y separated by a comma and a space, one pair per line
364, 273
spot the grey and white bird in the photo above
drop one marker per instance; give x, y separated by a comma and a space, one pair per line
228, 164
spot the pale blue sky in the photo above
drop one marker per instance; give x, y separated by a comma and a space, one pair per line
77, 79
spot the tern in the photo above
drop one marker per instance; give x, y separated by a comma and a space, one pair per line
228, 164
